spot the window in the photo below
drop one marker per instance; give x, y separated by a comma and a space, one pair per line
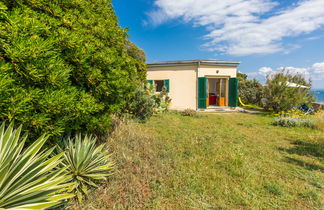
158, 85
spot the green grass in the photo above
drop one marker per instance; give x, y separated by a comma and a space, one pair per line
214, 161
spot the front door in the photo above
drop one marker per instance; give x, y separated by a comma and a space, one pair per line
222, 92
217, 92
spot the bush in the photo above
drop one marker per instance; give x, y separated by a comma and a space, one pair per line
294, 122
29, 178
146, 102
250, 91
86, 163
142, 105
281, 97
189, 113
65, 65
162, 100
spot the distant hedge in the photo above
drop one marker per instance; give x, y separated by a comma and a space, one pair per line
65, 65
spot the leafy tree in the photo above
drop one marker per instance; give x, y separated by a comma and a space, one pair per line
281, 97
65, 65
250, 91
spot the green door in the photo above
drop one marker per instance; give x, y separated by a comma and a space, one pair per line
202, 92
233, 92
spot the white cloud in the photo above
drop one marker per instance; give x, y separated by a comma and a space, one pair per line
296, 70
265, 71
319, 68
314, 72
243, 27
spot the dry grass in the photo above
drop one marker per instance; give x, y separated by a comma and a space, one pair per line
232, 161
136, 166
319, 121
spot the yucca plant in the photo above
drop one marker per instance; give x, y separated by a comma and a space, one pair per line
29, 178
86, 163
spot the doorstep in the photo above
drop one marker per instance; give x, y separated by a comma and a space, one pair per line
221, 109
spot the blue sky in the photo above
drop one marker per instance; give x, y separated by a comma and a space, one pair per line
265, 35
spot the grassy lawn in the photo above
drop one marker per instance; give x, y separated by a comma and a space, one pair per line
213, 161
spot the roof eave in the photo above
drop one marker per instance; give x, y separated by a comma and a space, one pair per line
206, 62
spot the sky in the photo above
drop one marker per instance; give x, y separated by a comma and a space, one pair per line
264, 35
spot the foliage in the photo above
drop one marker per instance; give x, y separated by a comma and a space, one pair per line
28, 177
146, 102
162, 100
280, 97
139, 57
189, 113
86, 163
319, 112
290, 113
142, 105
294, 122
65, 65
250, 91
296, 117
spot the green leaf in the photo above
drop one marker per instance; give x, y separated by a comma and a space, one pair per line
30, 179
86, 162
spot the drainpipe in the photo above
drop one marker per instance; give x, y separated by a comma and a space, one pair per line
198, 65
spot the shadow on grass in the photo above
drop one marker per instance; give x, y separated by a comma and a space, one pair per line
258, 111
264, 114
301, 163
306, 149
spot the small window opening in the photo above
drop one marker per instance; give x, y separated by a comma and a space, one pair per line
158, 85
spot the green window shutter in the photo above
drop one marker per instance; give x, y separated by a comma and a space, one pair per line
167, 85
202, 92
150, 81
233, 92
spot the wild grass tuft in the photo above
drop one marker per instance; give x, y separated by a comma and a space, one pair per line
273, 189
319, 121
189, 113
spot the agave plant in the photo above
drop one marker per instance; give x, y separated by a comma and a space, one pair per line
28, 177
86, 163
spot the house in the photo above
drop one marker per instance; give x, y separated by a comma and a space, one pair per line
196, 84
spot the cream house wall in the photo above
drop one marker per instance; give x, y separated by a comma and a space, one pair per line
183, 81
211, 70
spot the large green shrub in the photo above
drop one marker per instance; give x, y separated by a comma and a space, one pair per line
250, 91
65, 65
282, 97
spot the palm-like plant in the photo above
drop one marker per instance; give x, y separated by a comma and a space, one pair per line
28, 179
86, 162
